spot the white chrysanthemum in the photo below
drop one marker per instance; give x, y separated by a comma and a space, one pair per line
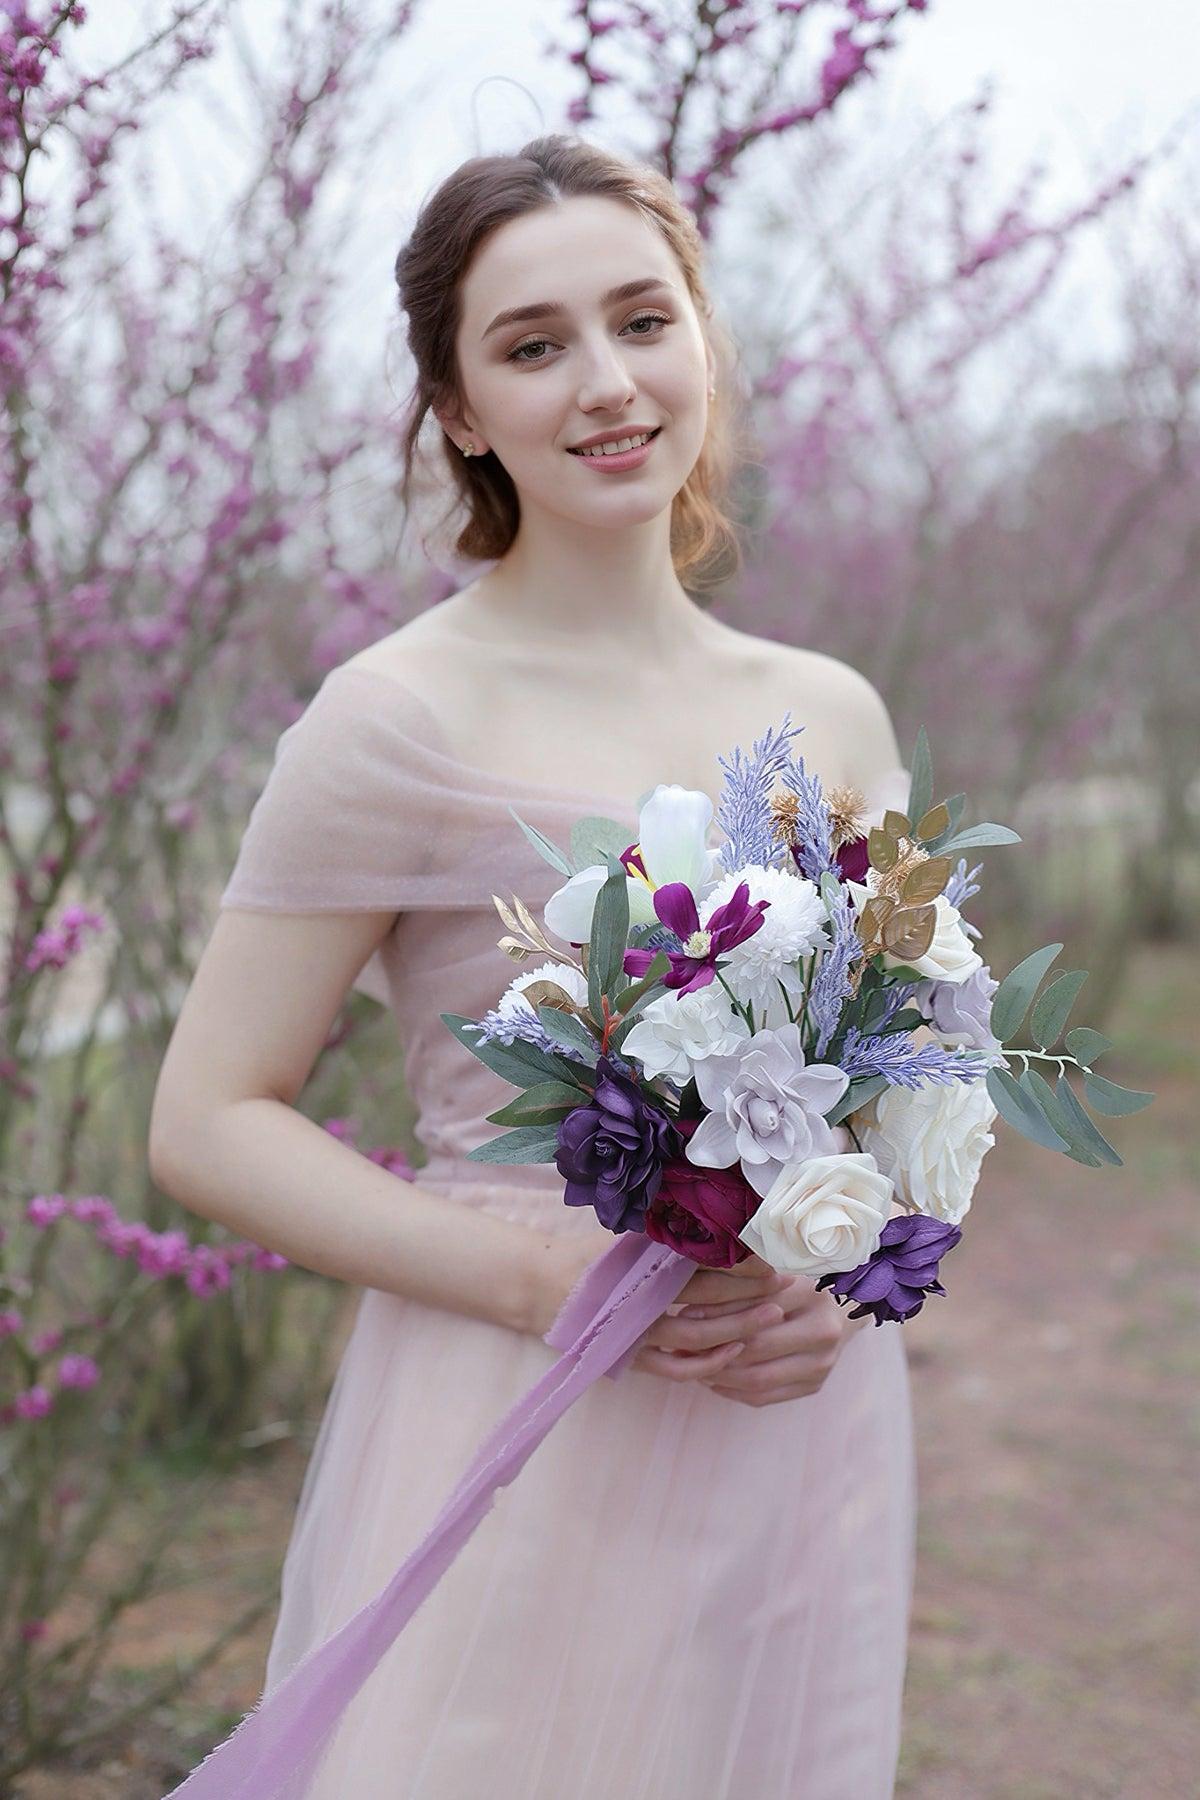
673, 1033
791, 927
571, 979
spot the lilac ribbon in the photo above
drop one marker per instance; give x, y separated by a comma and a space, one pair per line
277, 1747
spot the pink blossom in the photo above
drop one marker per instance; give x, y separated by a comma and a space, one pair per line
45, 1341
78, 1372
44, 1209
34, 1403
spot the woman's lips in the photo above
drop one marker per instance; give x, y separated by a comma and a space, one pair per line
624, 459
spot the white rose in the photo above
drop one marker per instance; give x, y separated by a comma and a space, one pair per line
821, 1216
951, 956
931, 1140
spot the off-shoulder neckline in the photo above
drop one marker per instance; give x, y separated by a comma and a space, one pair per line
483, 777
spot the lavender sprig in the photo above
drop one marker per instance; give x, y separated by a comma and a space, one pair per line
744, 813
904, 1063
814, 848
831, 982
498, 1027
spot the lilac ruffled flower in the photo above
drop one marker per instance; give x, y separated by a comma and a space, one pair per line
961, 1011
892, 1284
612, 1149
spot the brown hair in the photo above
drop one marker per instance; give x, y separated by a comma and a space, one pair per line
482, 194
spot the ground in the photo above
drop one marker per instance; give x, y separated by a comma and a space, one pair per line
1055, 1625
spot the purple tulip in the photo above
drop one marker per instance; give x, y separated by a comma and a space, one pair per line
893, 1283
611, 1151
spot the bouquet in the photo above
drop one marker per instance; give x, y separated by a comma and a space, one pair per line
790, 1044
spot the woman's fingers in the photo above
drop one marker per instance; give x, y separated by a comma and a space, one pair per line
702, 1334
686, 1368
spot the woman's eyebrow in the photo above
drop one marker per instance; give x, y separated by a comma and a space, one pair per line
543, 309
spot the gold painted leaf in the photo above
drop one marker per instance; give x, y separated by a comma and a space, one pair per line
882, 849
923, 884
506, 912
910, 933
548, 993
933, 823
897, 824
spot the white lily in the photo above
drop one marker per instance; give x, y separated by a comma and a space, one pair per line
672, 828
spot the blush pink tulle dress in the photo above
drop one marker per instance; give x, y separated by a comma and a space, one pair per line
680, 1597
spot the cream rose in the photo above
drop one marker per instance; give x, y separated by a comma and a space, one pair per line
821, 1216
931, 1141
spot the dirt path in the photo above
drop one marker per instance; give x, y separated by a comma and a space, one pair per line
1057, 1613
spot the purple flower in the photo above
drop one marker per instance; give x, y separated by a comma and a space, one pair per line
611, 1151
695, 965
892, 1283
852, 860
78, 1372
961, 1011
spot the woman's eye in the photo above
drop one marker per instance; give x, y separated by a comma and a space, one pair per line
518, 354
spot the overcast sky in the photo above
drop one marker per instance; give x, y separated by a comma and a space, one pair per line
1079, 84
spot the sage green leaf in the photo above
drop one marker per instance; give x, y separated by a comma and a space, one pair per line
859, 1093
610, 934
831, 888
1011, 1000
1043, 1095
524, 1065
527, 1144
543, 1104
1085, 1045
542, 844
641, 989
920, 790
1015, 1105
974, 837
596, 838
1052, 1008
1085, 1128
1110, 1098
568, 1028
904, 972
907, 1019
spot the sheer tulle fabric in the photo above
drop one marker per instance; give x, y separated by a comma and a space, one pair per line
679, 1596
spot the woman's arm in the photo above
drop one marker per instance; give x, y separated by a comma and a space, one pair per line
227, 1143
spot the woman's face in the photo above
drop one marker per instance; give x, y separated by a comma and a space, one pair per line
537, 387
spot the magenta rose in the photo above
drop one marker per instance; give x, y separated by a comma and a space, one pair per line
699, 1212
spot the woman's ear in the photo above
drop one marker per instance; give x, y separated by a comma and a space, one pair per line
458, 431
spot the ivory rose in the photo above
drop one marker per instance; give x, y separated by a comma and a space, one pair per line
821, 1215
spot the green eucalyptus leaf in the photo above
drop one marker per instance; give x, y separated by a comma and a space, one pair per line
1110, 1098
610, 934
527, 1144
974, 837
542, 844
859, 1093
596, 838
521, 1064
1052, 1008
1085, 1129
920, 789
1011, 1000
1085, 1045
1057, 1117
907, 1019
568, 1028
543, 1104
1016, 1106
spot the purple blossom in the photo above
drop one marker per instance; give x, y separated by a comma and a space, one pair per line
728, 925
891, 1285
611, 1151
961, 1010
34, 1403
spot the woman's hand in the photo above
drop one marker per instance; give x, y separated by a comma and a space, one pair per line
736, 1304
791, 1359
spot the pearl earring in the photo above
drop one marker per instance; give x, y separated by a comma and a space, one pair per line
468, 449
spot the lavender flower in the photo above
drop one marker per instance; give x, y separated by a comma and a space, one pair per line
904, 1063
813, 851
744, 813
496, 1027
831, 980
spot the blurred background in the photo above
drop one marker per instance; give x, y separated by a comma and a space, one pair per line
959, 249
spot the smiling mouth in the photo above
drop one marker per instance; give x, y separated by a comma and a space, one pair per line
626, 444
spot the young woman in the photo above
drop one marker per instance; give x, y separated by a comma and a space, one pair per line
699, 1587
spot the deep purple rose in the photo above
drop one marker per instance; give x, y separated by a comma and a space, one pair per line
611, 1151
893, 1283
699, 1212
